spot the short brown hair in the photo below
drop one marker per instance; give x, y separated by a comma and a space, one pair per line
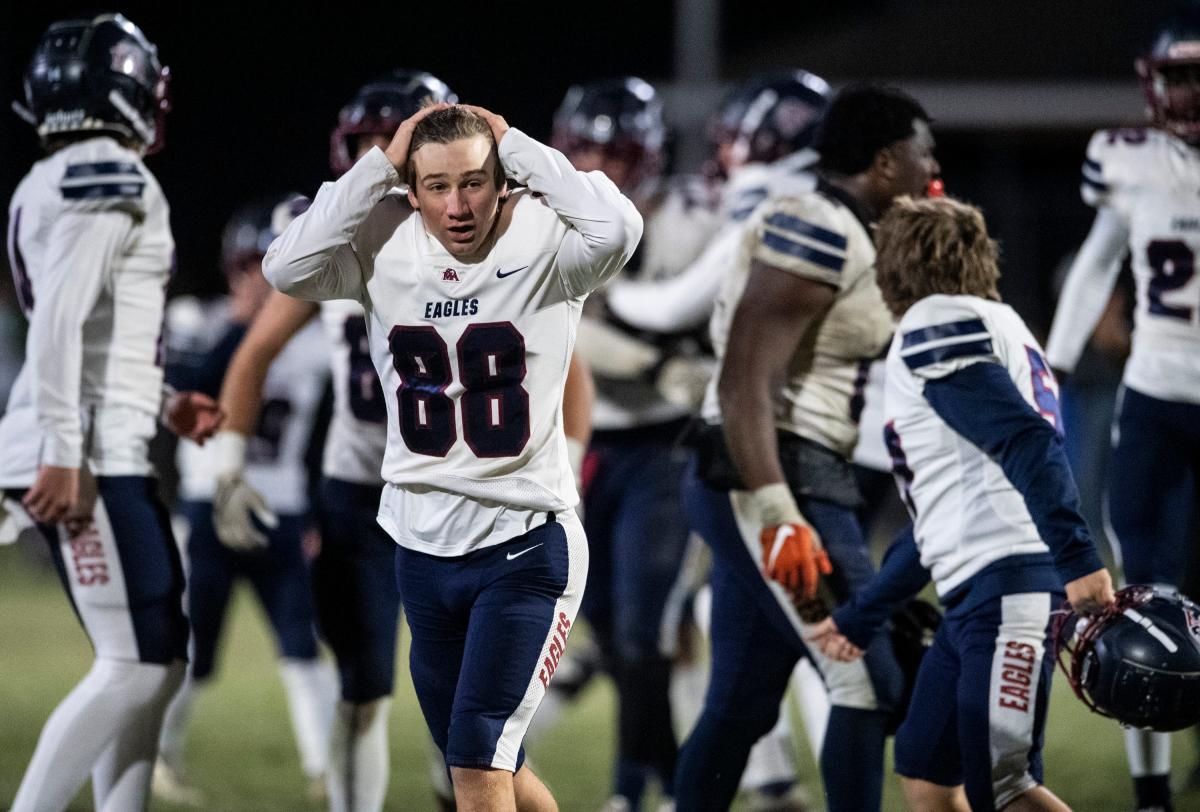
446, 126
934, 245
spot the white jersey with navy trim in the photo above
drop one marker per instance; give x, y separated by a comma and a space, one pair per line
275, 464
472, 357
966, 513
1150, 181
91, 251
357, 436
817, 237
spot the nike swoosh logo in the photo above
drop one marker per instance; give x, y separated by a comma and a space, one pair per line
502, 274
511, 556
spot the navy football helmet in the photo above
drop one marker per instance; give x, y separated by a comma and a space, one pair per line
1138, 661
622, 117
726, 123
1170, 76
252, 227
378, 108
781, 117
98, 75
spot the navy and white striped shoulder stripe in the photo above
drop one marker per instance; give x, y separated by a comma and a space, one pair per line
1093, 175
102, 179
944, 342
799, 238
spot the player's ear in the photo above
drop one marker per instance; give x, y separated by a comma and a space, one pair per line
885, 163
412, 199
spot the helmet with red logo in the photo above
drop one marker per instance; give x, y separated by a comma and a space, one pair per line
378, 108
1170, 76
781, 117
620, 118
1138, 661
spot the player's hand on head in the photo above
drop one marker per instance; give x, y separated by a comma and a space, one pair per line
496, 122
54, 494
831, 642
193, 415
236, 507
1092, 593
397, 150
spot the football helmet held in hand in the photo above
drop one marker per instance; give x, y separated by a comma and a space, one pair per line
1138, 661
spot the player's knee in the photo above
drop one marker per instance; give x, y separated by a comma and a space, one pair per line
367, 678
135, 686
929, 797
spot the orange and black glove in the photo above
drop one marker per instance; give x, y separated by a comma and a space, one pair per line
793, 557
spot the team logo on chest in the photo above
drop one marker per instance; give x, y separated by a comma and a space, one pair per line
450, 275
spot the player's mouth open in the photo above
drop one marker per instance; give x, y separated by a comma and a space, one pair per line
462, 232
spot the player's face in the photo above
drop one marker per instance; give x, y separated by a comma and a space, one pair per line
456, 193
913, 164
1182, 100
592, 157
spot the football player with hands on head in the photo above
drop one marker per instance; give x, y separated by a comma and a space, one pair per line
1144, 184
471, 306
975, 434
771, 489
357, 603
91, 250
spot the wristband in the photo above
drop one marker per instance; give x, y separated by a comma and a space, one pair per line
229, 449
774, 505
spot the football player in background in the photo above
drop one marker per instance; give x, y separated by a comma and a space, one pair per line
631, 506
761, 137
1143, 184
771, 489
91, 248
201, 339
975, 433
491, 559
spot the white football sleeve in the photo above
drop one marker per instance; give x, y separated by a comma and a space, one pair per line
1087, 289
605, 225
314, 258
81, 250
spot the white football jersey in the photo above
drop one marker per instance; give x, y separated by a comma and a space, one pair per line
816, 236
678, 227
357, 435
1152, 181
472, 357
291, 393
966, 513
91, 251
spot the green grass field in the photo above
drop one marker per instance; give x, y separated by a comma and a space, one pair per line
242, 755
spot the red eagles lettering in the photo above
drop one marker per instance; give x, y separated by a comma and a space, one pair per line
558, 643
1016, 675
87, 552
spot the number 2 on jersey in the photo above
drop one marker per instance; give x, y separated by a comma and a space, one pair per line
491, 362
1172, 265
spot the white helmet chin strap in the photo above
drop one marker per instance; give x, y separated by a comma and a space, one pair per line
144, 130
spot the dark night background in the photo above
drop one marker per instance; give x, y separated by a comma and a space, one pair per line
256, 90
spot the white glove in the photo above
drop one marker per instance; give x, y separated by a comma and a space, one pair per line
236, 504
13, 520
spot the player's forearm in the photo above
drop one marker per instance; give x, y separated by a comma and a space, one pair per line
313, 259
1086, 291
605, 225
241, 391
682, 302
748, 421
899, 580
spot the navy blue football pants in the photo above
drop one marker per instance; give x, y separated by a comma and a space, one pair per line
278, 574
637, 536
358, 603
755, 646
1154, 472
